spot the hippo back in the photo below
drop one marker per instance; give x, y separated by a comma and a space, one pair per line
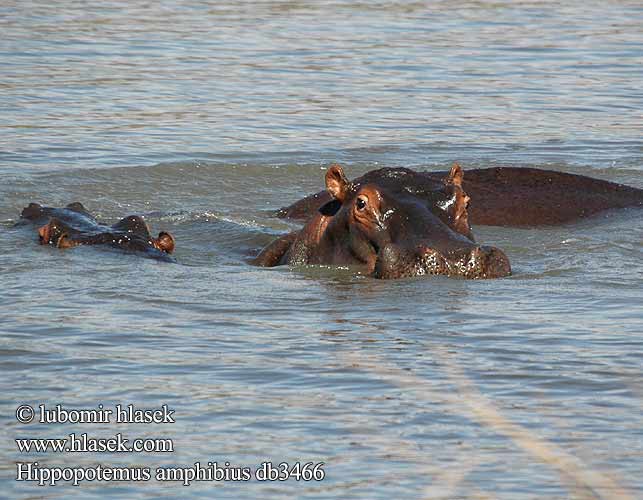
501, 196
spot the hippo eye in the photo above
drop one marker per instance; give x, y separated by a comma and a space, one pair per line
360, 203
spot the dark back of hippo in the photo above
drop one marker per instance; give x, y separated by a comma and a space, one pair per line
505, 196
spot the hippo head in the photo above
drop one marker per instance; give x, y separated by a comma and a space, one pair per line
398, 233
131, 232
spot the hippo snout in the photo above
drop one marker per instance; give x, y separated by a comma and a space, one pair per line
394, 262
476, 262
488, 262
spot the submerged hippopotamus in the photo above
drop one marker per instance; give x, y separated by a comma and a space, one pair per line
390, 232
74, 225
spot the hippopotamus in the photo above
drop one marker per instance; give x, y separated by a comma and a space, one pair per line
387, 231
397, 222
73, 225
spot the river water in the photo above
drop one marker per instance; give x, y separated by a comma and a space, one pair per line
205, 118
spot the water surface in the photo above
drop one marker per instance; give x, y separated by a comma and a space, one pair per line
205, 119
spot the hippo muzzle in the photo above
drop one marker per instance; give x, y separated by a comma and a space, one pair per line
478, 262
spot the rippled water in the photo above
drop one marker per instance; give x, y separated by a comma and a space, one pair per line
205, 118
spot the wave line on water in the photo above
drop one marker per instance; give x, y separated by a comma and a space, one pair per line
578, 477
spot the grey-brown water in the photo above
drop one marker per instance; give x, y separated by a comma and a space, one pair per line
205, 118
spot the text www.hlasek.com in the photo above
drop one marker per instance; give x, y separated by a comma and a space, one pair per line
85, 444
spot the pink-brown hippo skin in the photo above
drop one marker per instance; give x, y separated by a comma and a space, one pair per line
391, 233
502, 196
74, 225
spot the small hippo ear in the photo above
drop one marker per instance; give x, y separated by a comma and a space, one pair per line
32, 212
336, 183
77, 207
165, 242
455, 176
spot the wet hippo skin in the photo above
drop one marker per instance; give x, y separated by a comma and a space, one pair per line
389, 228
503, 196
73, 225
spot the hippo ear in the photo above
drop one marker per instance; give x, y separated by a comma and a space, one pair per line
455, 176
165, 242
77, 207
32, 212
331, 208
336, 182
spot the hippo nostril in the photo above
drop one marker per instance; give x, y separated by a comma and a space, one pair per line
389, 253
493, 262
390, 262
